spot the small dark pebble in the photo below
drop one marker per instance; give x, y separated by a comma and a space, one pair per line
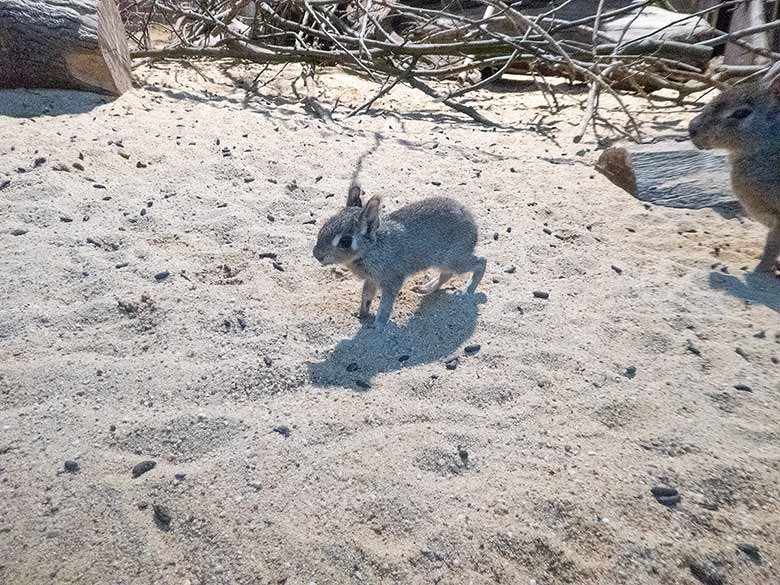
630, 372
403, 358
162, 275
122, 265
310, 222
669, 501
162, 517
495, 236
472, 349
140, 165
72, 466
39, 162
179, 476
548, 231
112, 428
268, 361
362, 385
510, 269
143, 467
283, 430
271, 255
665, 495
706, 573
464, 455
743, 388
220, 205
743, 354
278, 266
436, 183
451, 363
99, 186
540, 294
249, 179
143, 212
66, 219
617, 269
78, 166
18, 232
270, 218
353, 367
4, 183
143, 505
750, 550
692, 348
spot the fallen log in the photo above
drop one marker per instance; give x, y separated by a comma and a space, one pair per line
64, 44
671, 174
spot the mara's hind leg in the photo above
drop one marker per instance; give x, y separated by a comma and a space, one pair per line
432, 285
769, 261
478, 265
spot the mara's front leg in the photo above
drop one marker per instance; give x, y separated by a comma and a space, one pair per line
769, 261
369, 292
390, 292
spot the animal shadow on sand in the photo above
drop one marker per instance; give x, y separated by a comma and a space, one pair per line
442, 322
32, 103
755, 288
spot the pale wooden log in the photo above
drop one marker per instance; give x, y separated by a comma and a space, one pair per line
671, 174
65, 44
745, 16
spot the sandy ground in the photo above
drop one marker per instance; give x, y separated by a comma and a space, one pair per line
294, 447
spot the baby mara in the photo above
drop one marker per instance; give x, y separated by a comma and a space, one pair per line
384, 251
745, 120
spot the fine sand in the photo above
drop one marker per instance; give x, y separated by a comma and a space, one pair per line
293, 446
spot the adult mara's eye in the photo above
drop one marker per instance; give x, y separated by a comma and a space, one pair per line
345, 241
741, 113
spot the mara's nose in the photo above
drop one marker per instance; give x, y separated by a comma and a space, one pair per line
694, 126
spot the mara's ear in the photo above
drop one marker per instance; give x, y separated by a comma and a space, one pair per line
369, 217
772, 80
353, 197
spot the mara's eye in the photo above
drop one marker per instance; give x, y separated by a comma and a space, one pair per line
345, 241
741, 113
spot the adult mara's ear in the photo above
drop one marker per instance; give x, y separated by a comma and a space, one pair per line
353, 197
369, 217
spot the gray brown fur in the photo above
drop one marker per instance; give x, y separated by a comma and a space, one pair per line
745, 120
385, 250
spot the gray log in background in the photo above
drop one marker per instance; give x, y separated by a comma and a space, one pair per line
64, 44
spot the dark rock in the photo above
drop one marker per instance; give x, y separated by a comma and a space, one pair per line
40, 161
268, 361
692, 348
403, 358
451, 363
277, 265
99, 186
143, 467
221, 205
112, 428
249, 179
751, 550
4, 183
66, 219
362, 385
495, 236
78, 166
464, 455
743, 388
472, 349
630, 372
179, 476
72, 466
667, 496
140, 165
18, 231
353, 367
617, 269
706, 572
162, 517
122, 265
283, 430
510, 269
162, 275
540, 294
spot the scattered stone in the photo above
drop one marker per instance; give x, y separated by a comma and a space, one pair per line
540, 294
121, 265
277, 265
510, 269
268, 361
162, 275
72, 466
98, 186
221, 205
66, 219
353, 367
706, 572
761, 334
548, 231
179, 476
751, 550
61, 167
464, 455
743, 354
249, 179
743, 388
283, 430
630, 372
18, 231
472, 349
140, 165
162, 517
40, 161
495, 236
451, 363
668, 496
78, 166
124, 155
4, 183
362, 385
270, 218
403, 358
112, 428
143, 467
692, 348
617, 269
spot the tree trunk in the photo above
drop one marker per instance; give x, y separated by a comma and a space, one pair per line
65, 44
